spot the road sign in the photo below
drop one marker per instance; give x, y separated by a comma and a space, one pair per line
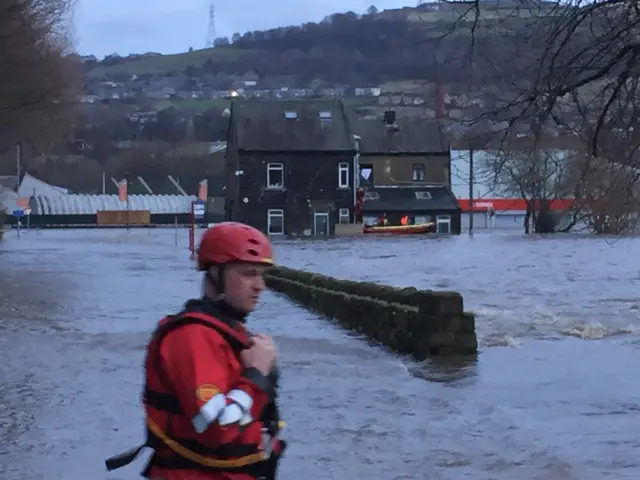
18, 213
198, 210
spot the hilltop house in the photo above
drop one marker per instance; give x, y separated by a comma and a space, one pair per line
405, 168
290, 166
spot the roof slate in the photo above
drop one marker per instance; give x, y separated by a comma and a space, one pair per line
403, 199
412, 136
261, 125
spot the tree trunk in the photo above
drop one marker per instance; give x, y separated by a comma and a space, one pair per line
527, 221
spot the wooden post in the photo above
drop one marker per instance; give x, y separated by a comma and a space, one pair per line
192, 232
128, 205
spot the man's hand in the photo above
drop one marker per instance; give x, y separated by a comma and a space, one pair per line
261, 354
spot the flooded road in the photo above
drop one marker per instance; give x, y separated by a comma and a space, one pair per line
553, 395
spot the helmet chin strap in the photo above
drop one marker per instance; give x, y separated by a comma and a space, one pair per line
217, 283
214, 291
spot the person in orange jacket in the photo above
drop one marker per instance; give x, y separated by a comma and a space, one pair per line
210, 385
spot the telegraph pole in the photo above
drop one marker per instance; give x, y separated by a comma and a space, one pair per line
470, 189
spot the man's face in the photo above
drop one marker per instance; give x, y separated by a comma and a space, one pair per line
243, 284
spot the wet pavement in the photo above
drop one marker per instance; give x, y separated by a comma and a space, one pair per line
553, 394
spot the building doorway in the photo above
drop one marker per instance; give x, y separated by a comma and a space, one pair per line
321, 224
443, 224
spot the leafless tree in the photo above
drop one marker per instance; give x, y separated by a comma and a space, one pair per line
525, 168
38, 81
571, 67
603, 188
606, 176
549, 50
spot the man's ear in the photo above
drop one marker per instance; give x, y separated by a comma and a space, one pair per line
210, 281
214, 273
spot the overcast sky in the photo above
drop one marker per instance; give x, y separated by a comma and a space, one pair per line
172, 26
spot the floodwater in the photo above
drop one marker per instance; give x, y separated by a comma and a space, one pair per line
554, 394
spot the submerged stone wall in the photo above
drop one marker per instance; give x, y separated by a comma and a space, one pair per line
407, 320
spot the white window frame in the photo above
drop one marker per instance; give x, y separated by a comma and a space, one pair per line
441, 220
344, 213
275, 212
324, 115
423, 195
275, 167
343, 168
418, 167
290, 114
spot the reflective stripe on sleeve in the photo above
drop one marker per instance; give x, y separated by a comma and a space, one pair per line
209, 412
226, 409
241, 398
238, 411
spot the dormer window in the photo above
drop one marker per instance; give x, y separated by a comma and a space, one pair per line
371, 196
290, 114
423, 195
324, 115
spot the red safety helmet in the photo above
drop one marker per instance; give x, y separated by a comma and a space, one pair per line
229, 242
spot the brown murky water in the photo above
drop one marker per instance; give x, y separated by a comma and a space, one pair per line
552, 396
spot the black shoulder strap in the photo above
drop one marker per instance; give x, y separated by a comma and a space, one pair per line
174, 322
189, 318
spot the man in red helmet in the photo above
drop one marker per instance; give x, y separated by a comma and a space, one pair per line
210, 385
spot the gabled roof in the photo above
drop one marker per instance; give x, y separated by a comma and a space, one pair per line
9, 182
268, 125
412, 136
31, 185
404, 199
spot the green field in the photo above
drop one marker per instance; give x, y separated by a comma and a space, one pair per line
192, 103
223, 103
170, 63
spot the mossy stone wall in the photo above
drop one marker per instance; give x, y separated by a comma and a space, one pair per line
409, 321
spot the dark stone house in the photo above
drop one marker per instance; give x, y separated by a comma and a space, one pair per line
405, 168
290, 166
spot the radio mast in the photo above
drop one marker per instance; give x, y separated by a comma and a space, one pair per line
211, 31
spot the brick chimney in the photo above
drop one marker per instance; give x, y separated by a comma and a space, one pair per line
391, 130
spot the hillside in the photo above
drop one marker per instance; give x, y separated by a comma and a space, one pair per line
491, 62
164, 64
410, 43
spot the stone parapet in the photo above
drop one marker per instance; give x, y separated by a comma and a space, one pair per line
420, 323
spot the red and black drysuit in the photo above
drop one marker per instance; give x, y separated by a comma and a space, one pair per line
208, 417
